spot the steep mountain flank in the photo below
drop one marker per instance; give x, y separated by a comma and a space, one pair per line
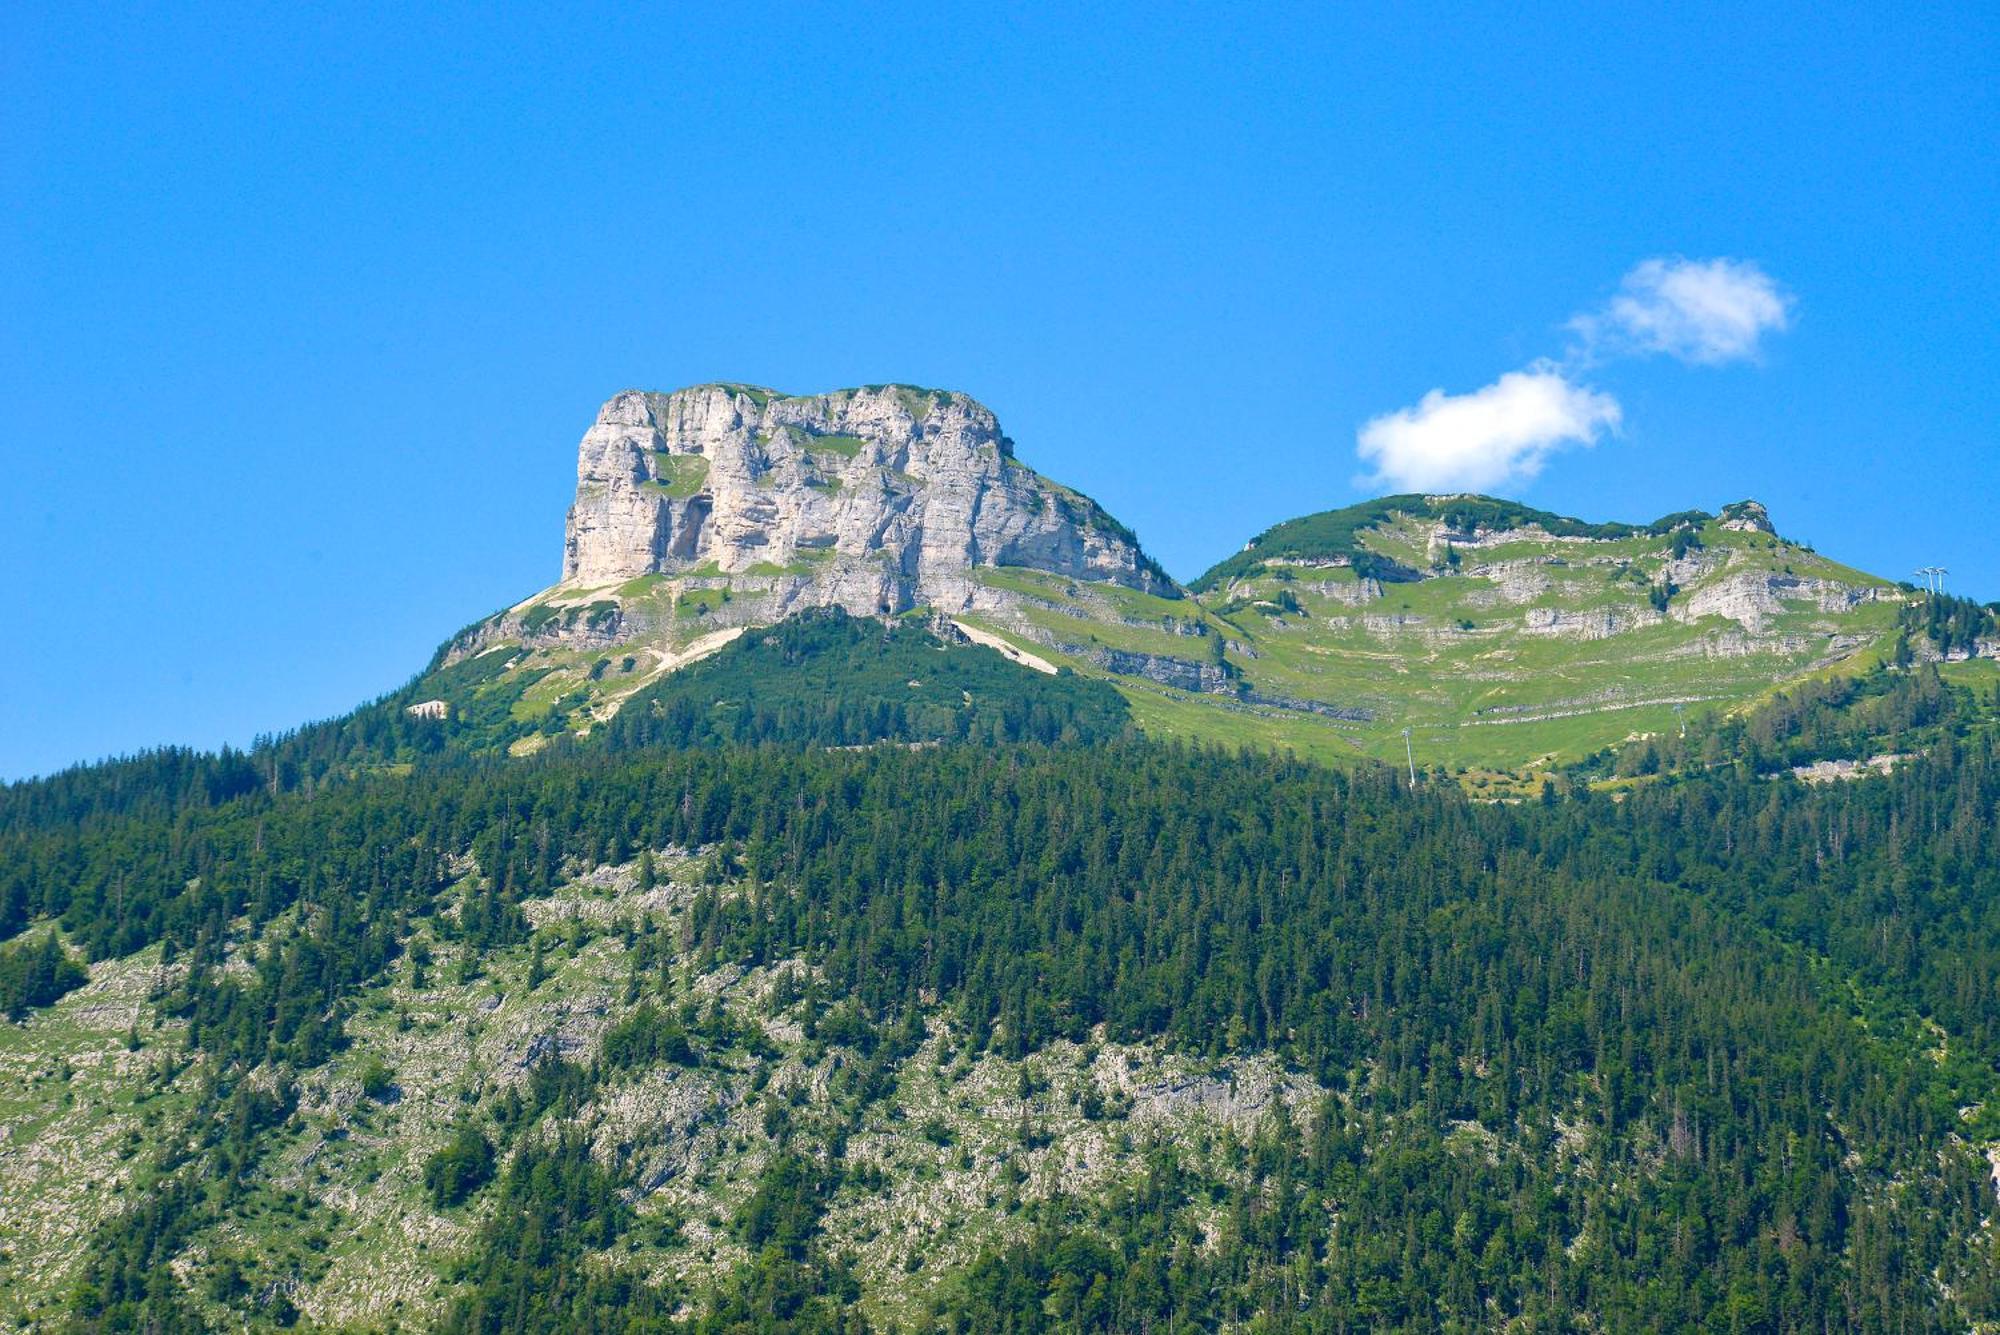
952, 1038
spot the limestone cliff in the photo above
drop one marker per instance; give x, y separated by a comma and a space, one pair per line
875, 500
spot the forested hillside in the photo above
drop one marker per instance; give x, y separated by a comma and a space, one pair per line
1005, 1036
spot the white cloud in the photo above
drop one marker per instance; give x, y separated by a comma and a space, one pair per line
1704, 312
1478, 441
1701, 312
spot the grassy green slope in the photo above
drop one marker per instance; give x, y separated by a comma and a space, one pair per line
1523, 646
1503, 637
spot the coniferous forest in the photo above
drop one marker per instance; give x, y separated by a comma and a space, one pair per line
1672, 1044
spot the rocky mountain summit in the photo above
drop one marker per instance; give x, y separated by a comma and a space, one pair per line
704, 512
875, 500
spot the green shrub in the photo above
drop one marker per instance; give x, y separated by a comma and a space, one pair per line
377, 1081
36, 974
463, 1166
647, 1037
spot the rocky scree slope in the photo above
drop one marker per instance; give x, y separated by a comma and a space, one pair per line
952, 1159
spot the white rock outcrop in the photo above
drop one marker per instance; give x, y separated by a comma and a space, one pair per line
1595, 624
1752, 599
1747, 517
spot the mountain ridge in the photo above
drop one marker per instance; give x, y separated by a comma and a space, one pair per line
1331, 534
1505, 636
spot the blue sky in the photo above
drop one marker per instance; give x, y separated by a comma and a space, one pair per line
301, 315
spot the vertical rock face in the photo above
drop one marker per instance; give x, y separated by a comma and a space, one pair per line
874, 500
